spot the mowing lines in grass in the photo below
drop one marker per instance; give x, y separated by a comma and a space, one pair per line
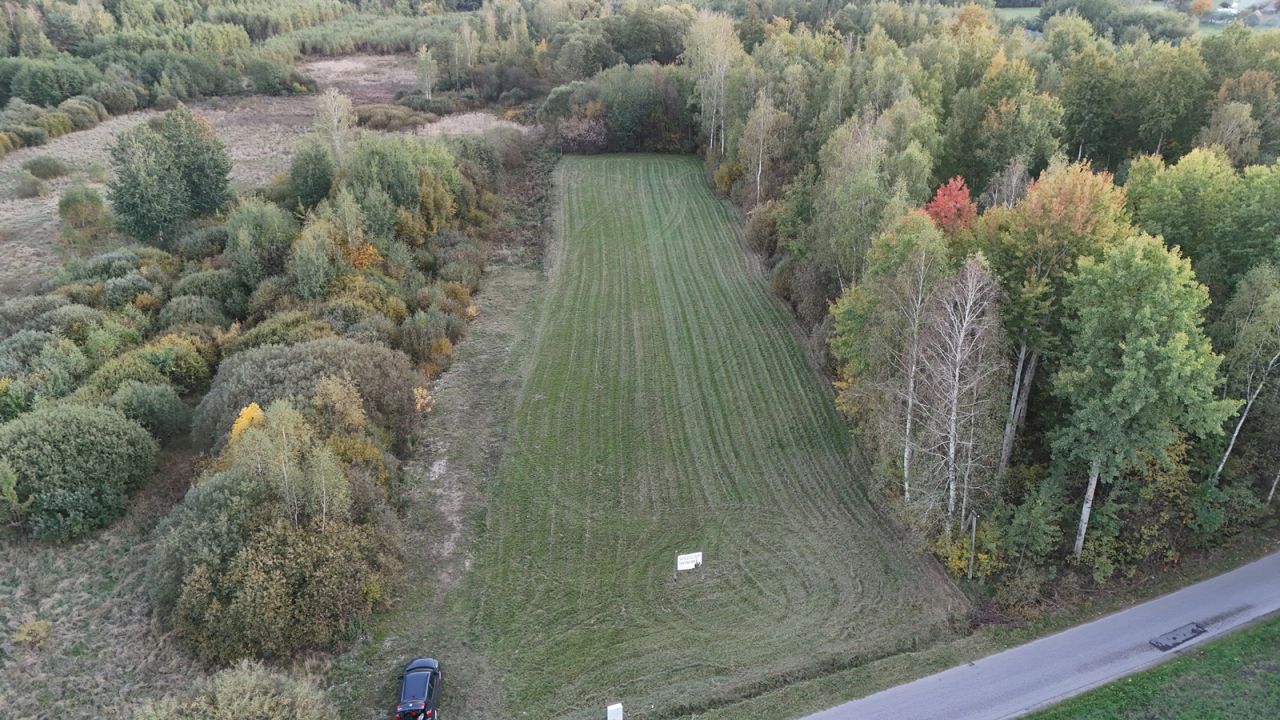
668, 406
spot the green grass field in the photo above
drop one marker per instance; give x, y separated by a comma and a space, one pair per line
1021, 13
1235, 677
668, 407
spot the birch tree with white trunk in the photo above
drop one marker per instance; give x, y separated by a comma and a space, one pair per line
963, 365
763, 141
1252, 322
334, 120
428, 71
878, 331
712, 49
1140, 371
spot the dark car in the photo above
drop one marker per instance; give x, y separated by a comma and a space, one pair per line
419, 691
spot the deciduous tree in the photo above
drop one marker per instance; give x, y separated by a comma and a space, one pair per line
712, 49
763, 140
962, 372
1250, 330
428, 71
1134, 381
951, 208
334, 120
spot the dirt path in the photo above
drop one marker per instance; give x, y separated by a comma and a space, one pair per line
458, 448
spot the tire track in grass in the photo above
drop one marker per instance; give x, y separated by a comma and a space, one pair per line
669, 408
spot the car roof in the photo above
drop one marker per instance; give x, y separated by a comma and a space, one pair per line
415, 685
422, 664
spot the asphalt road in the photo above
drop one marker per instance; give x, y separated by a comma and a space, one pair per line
1051, 669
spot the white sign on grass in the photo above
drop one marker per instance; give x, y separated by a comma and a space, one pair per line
689, 561
614, 712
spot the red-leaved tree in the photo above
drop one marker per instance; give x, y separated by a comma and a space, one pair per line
952, 208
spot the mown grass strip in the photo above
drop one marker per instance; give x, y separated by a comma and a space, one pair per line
669, 408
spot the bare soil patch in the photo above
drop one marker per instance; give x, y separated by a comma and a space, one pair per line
470, 122
364, 78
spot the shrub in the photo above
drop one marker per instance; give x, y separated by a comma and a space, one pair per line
269, 373
420, 334
83, 212
46, 167
15, 399
313, 259
246, 691
118, 96
29, 135
762, 228
56, 124
463, 273
289, 589
48, 82
19, 349
259, 237
76, 466
84, 111
193, 309
390, 118
107, 265
579, 134
207, 528
285, 328
219, 285
155, 407
115, 372
74, 322
20, 312
123, 290
30, 186
311, 172
110, 339
390, 164
176, 359
55, 370
8, 142
272, 295
270, 78
201, 243
33, 634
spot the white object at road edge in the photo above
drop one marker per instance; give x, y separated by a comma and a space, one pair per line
614, 712
688, 562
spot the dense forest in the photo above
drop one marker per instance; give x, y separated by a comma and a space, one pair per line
1040, 261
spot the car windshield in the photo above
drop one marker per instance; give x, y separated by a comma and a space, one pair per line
415, 686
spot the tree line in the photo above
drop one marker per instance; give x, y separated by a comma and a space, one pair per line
1040, 370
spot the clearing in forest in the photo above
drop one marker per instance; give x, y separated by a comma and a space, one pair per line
669, 408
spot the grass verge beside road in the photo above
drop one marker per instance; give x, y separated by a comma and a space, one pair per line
1235, 677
